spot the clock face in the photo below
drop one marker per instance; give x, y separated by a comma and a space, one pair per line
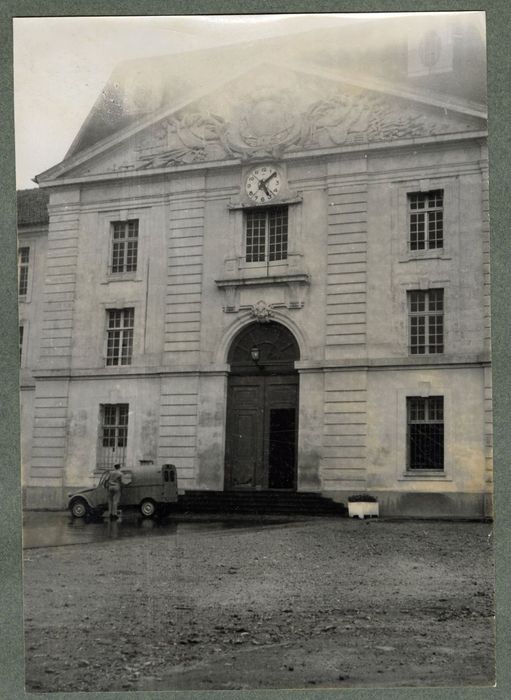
263, 184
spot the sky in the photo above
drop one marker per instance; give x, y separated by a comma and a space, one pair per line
61, 64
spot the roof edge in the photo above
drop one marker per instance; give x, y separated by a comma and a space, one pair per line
126, 132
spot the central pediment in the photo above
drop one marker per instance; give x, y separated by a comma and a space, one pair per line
271, 111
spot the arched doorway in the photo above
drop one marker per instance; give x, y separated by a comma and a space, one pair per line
262, 409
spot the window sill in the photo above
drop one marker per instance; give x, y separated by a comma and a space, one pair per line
263, 265
253, 280
428, 355
424, 255
426, 474
122, 277
237, 269
238, 203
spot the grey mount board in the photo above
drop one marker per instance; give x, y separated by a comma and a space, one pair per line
499, 79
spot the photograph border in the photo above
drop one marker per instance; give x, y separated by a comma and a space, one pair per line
498, 26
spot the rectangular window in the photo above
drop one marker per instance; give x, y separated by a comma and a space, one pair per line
425, 432
266, 234
124, 246
426, 212
426, 321
23, 263
119, 348
114, 434
21, 341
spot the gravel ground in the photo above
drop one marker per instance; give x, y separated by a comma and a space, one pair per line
316, 603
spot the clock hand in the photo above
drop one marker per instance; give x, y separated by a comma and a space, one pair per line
262, 186
270, 177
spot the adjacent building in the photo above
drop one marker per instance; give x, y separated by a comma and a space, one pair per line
269, 265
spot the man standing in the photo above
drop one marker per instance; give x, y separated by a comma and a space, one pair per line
113, 485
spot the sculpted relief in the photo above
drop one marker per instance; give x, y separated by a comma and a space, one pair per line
194, 137
266, 123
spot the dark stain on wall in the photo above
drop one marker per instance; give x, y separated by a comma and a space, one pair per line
308, 470
433, 504
210, 467
77, 423
149, 436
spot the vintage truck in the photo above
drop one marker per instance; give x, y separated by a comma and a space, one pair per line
151, 489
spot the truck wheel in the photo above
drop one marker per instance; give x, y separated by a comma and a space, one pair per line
147, 508
79, 508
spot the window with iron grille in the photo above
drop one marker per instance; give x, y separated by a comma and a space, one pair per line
266, 234
124, 246
425, 432
23, 267
426, 212
119, 348
426, 321
114, 435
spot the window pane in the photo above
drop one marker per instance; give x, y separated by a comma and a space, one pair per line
23, 280
426, 321
129, 315
123, 414
118, 230
114, 318
112, 357
131, 256
122, 437
436, 408
114, 435
416, 409
426, 446
124, 246
23, 262
417, 301
417, 200
120, 336
425, 432
109, 415
417, 335
277, 240
255, 236
436, 334
132, 228
266, 234
127, 347
435, 229
436, 299
118, 257
417, 228
108, 437
426, 220
435, 199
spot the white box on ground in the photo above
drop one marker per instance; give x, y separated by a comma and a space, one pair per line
361, 509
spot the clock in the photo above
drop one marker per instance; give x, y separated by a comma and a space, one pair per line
263, 184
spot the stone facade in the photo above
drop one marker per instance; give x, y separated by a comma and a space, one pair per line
347, 158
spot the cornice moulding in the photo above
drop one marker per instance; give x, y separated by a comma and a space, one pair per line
295, 156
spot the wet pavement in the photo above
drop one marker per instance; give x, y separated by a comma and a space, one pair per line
229, 605
57, 529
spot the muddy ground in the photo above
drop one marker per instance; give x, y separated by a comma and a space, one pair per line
308, 604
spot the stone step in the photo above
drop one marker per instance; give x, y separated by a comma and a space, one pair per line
259, 502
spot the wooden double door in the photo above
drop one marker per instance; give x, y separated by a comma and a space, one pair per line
262, 429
